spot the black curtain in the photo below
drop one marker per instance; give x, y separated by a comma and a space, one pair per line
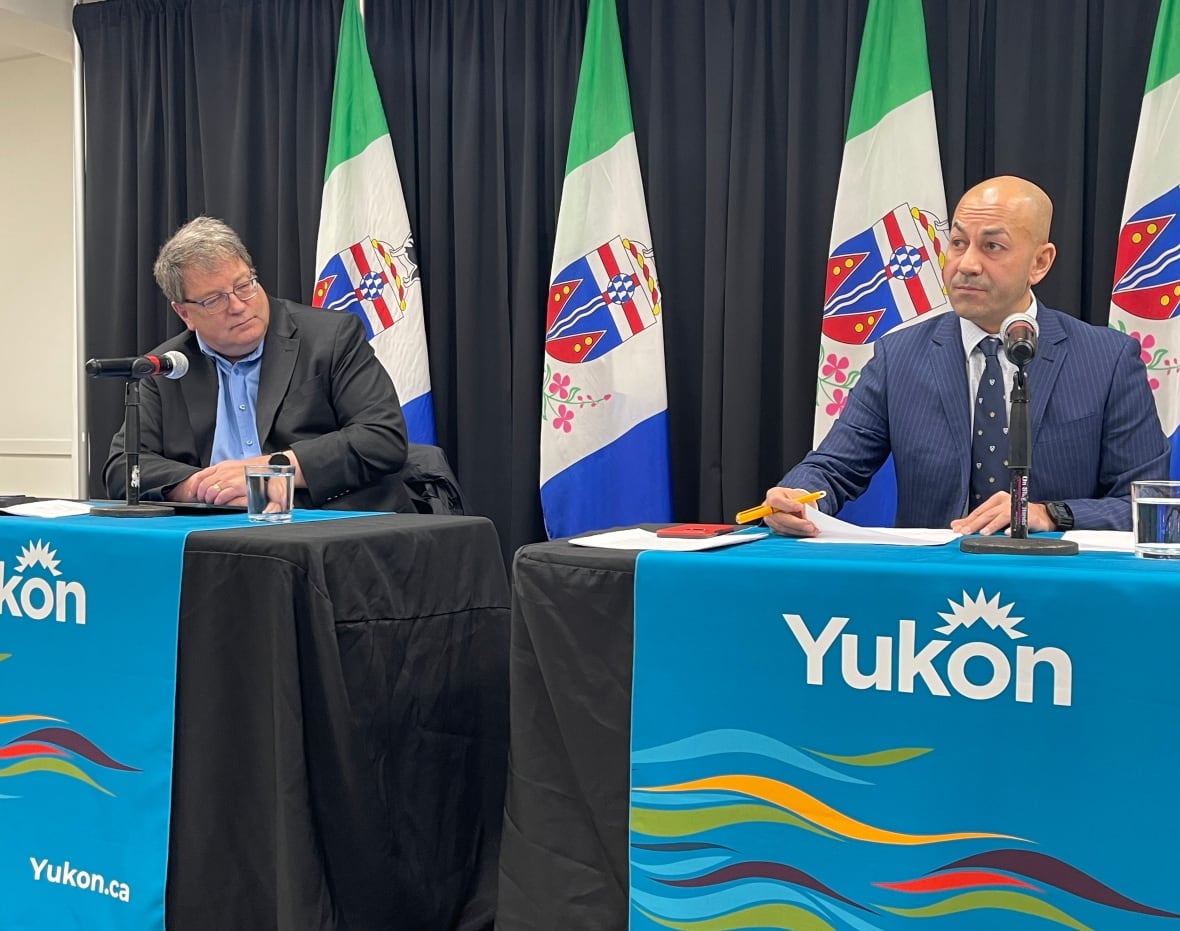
222, 107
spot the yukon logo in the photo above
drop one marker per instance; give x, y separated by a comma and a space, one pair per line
29, 594
899, 663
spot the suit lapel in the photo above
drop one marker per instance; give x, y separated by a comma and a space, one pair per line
949, 368
200, 388
1052, 348
280, 351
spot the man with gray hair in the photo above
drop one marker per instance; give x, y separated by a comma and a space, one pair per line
266, 376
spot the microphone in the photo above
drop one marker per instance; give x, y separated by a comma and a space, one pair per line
171, 364
1019, 334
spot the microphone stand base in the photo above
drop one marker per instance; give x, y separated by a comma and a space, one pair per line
1027, 546
133, 510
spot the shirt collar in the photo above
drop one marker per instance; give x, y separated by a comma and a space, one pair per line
222, 361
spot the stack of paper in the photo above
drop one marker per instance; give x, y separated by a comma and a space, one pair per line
833, 530
647, 540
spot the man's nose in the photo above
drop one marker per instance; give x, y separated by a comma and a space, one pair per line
236, 304
969, 262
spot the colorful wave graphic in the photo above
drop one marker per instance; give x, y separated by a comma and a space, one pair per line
679, 847
725, 741
957, 880
698, 858
809, 808
731, 909
876, 757
769, 915
980, 870
761, 870
52, 749
655, 822
996, 900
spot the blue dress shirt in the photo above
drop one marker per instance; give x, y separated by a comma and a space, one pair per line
235, 435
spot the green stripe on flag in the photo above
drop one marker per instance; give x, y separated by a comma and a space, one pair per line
357, 114
1165, 51
602, 110
894, 45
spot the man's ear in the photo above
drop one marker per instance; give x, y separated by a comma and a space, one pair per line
184, 314
1042, 262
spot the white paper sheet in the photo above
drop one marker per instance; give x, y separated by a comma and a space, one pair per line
54, 508
833, 530
636, 539
1106, 541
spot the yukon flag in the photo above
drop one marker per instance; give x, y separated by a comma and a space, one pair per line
1146, 294
889, 231
364, 252
604, 430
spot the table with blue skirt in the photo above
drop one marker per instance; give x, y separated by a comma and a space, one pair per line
795, 734
340, 721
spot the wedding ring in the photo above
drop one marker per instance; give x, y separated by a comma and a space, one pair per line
217, 486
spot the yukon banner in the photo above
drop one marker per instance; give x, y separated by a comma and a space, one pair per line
833, 738
88, 627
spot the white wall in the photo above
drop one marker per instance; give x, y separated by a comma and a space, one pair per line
40, 26
39, 423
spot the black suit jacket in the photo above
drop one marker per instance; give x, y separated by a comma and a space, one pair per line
321, 393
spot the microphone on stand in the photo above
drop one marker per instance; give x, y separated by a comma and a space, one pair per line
1018, 334
171, 364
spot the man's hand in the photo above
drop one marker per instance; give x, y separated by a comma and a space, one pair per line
996, 514
225, 483
790, 517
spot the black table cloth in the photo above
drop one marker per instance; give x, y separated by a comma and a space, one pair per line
563, 859
341, 726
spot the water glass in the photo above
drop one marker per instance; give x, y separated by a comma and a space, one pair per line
1155, 516
270, 492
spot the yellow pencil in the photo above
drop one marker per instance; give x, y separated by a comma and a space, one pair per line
764, 510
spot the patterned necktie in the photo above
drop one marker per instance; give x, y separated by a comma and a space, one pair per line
989, 440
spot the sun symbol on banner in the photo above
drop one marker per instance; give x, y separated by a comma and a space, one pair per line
981, 608
38, 554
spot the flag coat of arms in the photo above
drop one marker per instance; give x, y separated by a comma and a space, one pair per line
604, 430
889, 228
1145, 300
364, 252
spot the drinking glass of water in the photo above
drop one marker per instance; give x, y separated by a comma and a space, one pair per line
270, 492
1155, 516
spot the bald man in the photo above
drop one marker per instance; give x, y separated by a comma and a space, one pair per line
1094, 423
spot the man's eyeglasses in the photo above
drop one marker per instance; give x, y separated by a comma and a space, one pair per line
217, 303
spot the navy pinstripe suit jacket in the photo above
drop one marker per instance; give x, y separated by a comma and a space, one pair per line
1094, 425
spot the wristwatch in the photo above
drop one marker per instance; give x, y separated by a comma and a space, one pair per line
1060, 514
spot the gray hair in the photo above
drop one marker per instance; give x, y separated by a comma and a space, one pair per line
205, 243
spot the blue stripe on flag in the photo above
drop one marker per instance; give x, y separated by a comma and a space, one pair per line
589, 495
419, 414
877, 507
